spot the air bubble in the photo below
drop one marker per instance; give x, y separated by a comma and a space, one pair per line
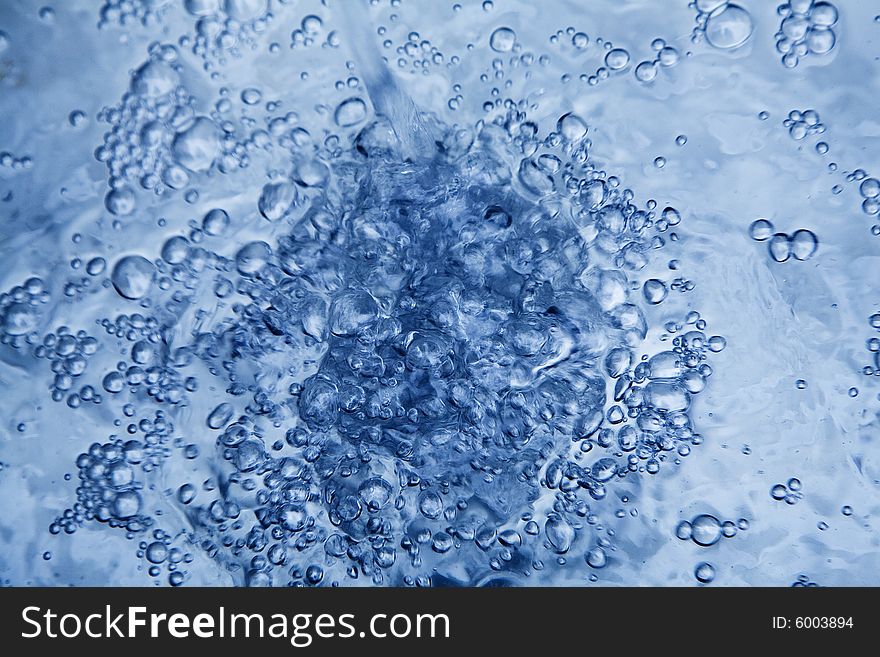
616, 59
803, 244
132, 277
730, 26
502, 39
580, 40
572, 127
646, 71
655, 291
760, 230
704, 572
779, 247
350, 112
120, 201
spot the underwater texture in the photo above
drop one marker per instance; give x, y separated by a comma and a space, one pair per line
417, 293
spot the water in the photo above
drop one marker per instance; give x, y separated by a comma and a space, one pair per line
459, 293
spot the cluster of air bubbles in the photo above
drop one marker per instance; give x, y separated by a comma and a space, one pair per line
420, 362
151, 368
806, 29
415, 53
137, 148
21, 311
157, 140
666, 57
800, 124
706, 530
144, 371
722, 24
110, 492
803, 581
68, 354
869, 189
125, 13
873, 347
160, 554
614, 60
108, 489
401, 387
618, 60
681, 285
789, 492
132, 327
9, 162
800, 245
311, 27
223, 29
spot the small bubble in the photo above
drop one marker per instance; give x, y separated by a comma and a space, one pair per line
706, 530
502, 39
668, 56
803, 244
251, 96
133, 276
350, 112
729, 27
572, 127
716, 343
596, 558
617, 59
684, 530
760, 230
779, 247
704, 572
646, 71
870, 188
77, 118
121, 201
654, 290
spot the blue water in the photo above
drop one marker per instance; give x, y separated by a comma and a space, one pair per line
425, 293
